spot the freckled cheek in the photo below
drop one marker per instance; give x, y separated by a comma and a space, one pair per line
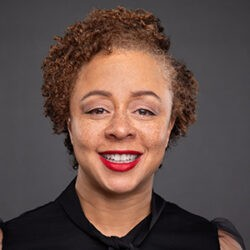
155, 137
85, 135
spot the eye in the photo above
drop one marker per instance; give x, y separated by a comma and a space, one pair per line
144, 112
97, 111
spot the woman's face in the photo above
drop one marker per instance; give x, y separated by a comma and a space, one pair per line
119, 122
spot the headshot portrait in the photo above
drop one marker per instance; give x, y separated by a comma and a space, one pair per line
124, 125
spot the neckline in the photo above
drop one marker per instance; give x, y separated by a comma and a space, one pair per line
70, 203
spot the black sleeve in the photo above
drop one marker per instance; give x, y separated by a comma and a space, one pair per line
1, 223
228, 227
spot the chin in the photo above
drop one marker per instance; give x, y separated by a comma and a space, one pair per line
124, 187
117, 186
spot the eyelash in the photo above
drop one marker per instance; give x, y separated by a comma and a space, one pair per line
100, 111
97, 111
145, 112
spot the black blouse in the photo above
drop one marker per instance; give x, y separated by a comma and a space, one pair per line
61, 224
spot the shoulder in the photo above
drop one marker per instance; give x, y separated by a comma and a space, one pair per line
187, 219
176, 216
45, 220
42, 214
185, 229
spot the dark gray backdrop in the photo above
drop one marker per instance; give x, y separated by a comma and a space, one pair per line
206, 173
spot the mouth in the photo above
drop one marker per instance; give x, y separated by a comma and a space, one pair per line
120, 161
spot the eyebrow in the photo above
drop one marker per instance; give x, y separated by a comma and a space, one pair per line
96, 92
145, 92
133, 94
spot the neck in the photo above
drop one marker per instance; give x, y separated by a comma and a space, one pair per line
113, 214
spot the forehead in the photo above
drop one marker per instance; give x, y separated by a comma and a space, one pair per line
127, 70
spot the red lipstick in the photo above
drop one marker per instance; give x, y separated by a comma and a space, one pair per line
120, 166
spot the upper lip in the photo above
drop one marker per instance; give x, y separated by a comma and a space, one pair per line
131, 152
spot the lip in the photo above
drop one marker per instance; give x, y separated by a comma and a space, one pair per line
120, 167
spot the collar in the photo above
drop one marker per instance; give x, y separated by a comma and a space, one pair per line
70, 203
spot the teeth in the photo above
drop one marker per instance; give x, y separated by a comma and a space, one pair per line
120, 158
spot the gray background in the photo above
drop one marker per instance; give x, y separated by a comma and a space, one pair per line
206, 173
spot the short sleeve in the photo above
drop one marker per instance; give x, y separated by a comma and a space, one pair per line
227, 226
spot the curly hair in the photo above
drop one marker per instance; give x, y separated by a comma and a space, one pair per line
102, 31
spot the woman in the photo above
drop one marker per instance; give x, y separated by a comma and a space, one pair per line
112, 88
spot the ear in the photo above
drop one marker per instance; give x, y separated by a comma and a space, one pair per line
170, 127
69, 130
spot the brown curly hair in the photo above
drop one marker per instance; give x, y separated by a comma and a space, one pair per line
101, 31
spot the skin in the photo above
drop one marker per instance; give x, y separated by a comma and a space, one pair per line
227, 242
125, 122
1, 239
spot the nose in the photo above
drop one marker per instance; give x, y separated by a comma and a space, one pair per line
120, 128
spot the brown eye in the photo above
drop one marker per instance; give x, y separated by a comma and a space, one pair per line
144, 112
97, 111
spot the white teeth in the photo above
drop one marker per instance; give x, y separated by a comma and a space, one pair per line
120, 158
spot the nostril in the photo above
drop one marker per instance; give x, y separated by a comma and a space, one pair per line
119, 135
120, 128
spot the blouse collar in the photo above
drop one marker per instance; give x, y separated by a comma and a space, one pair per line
70, 203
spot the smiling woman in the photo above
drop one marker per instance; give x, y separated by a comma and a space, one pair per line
112, 88
120, 112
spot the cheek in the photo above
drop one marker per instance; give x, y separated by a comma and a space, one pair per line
156, 136
83, 133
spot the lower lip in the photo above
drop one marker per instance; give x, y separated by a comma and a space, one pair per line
120, 167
